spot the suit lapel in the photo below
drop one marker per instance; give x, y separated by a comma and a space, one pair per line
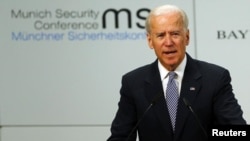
190, 89
153, 86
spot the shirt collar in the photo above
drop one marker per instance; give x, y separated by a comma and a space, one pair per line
179, 70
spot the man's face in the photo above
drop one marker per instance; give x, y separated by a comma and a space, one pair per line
169, 39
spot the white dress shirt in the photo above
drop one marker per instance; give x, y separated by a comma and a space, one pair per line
179, 71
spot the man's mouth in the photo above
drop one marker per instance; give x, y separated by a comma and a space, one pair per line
170, 52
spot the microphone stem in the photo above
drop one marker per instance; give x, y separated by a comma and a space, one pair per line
204, 131
135, 127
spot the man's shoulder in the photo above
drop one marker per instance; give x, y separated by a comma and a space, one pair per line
142, 71
207, 64
207, 67
202, 63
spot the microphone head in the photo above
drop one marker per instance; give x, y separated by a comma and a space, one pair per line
186, 102
156, 98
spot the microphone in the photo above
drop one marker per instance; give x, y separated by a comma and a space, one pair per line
186, 102
144, 113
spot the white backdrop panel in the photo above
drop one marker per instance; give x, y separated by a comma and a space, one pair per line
55, 134
73, 78
223, 37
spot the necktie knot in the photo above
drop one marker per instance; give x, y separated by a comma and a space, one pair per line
172, 75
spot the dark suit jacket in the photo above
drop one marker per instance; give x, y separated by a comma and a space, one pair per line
207, 88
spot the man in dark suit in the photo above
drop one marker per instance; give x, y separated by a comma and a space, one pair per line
204, 86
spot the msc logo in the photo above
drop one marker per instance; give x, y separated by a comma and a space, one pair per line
232, 34
140, 14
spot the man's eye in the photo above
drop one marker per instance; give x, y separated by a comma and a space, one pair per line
160, 35
176, 33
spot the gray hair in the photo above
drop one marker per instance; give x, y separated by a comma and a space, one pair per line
165, 9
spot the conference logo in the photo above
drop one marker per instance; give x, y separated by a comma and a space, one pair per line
79, 25
240, 34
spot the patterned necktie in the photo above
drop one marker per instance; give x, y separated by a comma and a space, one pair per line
172, 97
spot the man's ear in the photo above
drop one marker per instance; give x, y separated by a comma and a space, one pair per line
187, 37
149, 41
